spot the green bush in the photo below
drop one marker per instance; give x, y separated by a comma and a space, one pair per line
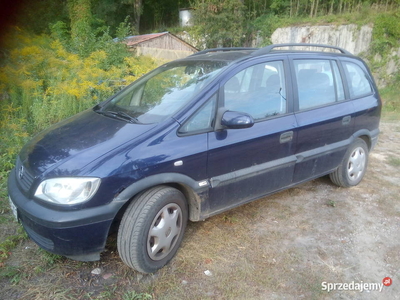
43, 82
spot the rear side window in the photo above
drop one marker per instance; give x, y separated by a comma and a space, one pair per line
258, 90
319, 82
359, 84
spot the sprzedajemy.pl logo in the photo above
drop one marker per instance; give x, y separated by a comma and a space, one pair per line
356, 286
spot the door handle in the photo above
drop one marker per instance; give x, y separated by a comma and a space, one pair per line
346, 120
286, 137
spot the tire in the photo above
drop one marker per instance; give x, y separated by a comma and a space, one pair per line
152, 229
353, 167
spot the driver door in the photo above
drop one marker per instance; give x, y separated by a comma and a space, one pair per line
245, 164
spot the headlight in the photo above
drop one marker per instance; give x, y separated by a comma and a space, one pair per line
68, 190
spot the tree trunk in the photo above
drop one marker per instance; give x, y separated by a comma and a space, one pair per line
316, 8
312, 8
137, 4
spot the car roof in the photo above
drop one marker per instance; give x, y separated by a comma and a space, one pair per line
221, 54
237, 53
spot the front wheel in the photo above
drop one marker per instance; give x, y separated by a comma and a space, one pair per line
353, 167
152, 229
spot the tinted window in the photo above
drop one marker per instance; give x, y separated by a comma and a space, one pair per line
202, 120
318, 82
258, 90
359, 84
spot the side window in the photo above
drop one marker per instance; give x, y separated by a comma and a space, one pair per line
258, 90
359, 84
318, 82
202, 120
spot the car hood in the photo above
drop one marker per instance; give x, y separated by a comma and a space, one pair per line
68, 146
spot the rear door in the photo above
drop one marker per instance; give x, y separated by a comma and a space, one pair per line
362, 92
244, 164
324, 116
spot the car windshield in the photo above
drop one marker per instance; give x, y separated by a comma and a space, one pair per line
162, 92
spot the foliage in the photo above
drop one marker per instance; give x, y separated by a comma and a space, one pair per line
42, 82
266, 25
37, 15
133, 295
82, 36
158, 15
391, 100
386, 33
315, 8
219, 22
394, 161
10, 242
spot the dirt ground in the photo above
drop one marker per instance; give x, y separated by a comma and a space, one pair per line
287, 246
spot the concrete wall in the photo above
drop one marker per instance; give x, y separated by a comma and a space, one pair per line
349, 37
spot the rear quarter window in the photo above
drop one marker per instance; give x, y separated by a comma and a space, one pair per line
359, 84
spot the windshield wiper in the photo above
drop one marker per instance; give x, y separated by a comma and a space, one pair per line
120, 115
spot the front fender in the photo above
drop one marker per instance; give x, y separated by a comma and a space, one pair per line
196, 192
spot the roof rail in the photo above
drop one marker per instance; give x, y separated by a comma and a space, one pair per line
223, 49
269, 48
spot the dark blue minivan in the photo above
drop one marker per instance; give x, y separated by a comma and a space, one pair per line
191, 139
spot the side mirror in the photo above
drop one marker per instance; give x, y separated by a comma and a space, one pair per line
236, 120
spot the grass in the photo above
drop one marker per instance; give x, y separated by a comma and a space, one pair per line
133, 295
11, 241
394, 161
391, 102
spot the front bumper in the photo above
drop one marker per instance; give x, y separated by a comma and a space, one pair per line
78, 234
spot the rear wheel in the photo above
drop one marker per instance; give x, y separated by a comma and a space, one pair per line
353, 167
152, 229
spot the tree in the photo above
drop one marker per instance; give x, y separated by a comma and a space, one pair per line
137, 12
82, 36
219, 22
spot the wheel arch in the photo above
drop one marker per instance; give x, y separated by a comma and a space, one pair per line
367, 140
369, 137
195, 195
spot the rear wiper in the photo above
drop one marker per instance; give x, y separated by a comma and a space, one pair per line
120, 115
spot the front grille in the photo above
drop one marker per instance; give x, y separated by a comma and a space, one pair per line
24, 177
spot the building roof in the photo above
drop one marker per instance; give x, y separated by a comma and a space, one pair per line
134, 40
137, 39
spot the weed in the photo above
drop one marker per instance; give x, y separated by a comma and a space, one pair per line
133, 295
50, 259
331, 203
229, 219
109, 293
10, 242
9, 272
394, 161
14, 274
